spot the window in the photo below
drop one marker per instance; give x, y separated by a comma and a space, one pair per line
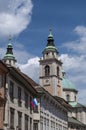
47, 70
11, 91
30, 105
26, 100
19, 96
30, 123
36, 109
19, 120
26, 122
68, 97
0, 80
11, 118
58, 71
35, 126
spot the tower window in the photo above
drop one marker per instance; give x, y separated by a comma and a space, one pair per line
68, 97
47, 70
58, 71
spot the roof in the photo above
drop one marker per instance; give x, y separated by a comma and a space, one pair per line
9, 56
76, 105
27, 81
9, 53
50, 44
33, 83
67, 84
61, 101
72, 120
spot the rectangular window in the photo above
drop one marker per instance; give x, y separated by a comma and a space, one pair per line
35, 109
57, 71
19, 96
11, 91
12, 118
31, 105
30, 123
26, 100
0, 80
19, 120
35, 126
26, 122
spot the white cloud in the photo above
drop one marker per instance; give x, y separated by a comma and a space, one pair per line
15, 15
82, 96
79, 45
75, 63
31, 68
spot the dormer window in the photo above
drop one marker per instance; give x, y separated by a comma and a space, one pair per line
47, 70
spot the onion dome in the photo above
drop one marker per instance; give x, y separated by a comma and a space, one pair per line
50, 44
9, 57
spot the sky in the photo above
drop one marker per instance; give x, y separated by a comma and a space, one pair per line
28, 22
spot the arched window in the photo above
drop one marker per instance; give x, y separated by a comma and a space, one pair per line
57, 71
68, 97
47, 70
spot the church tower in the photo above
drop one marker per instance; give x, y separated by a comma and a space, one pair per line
51, 68
9, 58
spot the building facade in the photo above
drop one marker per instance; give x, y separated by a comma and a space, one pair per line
53, 114
52, 78
57, 105
77, 118
17, 92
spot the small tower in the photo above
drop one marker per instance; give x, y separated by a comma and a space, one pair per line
50, 68
9, 58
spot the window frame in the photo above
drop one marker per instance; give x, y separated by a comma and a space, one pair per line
47, 70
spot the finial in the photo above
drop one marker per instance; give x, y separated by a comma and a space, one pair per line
50, 30
50, 35
10, 38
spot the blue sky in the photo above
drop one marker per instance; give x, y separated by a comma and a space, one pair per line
29, 21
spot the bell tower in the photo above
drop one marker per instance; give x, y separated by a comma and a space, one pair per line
51, 68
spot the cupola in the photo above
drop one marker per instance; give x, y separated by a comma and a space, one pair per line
50, 50
9, 58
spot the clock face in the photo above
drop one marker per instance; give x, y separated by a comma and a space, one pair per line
0, 81
47, 81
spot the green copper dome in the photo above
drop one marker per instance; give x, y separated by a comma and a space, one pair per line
66, 83
9, 54
50, 44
